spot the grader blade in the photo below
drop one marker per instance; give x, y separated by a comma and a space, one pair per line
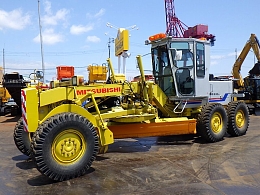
160, 127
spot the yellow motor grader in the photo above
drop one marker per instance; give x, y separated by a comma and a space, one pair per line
64, 128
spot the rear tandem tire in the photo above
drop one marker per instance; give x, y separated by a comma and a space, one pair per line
22, 139
64, 146
212, 122
238, 118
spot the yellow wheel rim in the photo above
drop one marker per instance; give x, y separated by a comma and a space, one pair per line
68, 146
216, 122
240, 119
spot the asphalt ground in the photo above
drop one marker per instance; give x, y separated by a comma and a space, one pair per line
155, 165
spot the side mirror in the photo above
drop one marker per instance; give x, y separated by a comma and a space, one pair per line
178, 55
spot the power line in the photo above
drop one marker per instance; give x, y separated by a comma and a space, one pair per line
78, 67
59, 53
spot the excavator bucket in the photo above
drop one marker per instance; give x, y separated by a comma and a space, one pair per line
255, 70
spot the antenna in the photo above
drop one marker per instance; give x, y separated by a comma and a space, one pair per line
40, 27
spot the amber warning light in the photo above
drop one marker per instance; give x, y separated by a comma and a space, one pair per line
157, 37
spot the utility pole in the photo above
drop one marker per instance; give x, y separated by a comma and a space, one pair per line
40, 26
3, 61
110, 40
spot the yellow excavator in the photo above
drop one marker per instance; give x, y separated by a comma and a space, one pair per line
250, 85
4, 97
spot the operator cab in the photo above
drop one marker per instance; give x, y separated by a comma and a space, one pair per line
180, 66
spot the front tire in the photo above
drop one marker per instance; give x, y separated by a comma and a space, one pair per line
238, 118
65, 146
22, 139
212, 122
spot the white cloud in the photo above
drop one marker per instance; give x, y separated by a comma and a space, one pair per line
93, 39
54, 19
49, 37
79, 29
213, 62
100, 13
219, 57
15, 19
47, 7
234, 53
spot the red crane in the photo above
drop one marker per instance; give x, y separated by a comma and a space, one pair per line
177, 29
174, 27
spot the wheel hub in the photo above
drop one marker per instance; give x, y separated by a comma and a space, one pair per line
216, 123
68, 146
240, 119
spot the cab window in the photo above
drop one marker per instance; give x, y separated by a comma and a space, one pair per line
187, 55
200, 51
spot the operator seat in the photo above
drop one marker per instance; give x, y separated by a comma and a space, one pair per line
185, 81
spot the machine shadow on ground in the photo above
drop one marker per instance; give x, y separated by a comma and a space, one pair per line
9, 118
42, 180
26, 163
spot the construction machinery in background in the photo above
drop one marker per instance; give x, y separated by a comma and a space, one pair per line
7, 105
4, 96
250, 85
14, 82
64, 72
148, 77
1, 75
64, 128
177, 29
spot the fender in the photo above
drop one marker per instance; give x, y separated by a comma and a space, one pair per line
106, 136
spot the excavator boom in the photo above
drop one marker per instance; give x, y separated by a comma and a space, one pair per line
253, 43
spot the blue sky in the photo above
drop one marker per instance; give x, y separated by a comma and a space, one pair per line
75, 31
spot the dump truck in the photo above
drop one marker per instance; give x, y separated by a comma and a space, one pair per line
64, 128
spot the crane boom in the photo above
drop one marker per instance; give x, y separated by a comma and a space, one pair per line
177, 29
174, 27
253, 43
